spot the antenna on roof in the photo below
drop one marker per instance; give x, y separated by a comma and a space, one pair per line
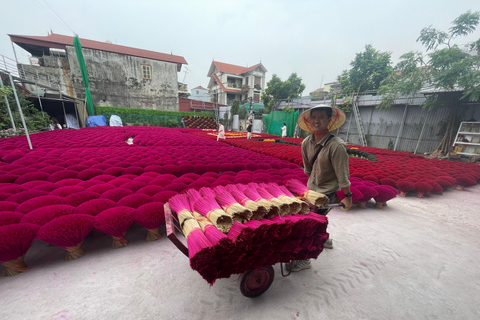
186, 71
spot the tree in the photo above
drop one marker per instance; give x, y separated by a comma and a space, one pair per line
369, 69
226, 119
35, 120
450, 72
278, 90
235, 106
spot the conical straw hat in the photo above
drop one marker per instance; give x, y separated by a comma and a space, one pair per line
337, 120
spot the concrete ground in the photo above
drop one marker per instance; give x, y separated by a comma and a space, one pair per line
417, 259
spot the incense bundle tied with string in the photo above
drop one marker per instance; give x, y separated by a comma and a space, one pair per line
258, 210
318, 199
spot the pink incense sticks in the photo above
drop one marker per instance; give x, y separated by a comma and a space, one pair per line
315, 198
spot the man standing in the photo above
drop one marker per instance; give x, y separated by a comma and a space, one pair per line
296, 133
249, 130
325, 160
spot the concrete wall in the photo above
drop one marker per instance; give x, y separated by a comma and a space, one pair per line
55, 73
116, 80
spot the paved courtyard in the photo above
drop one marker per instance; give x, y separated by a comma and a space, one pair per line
416, 259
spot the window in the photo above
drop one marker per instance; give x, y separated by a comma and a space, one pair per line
198, 92
258, 80
146, 71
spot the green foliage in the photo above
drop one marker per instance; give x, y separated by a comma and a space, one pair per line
463, 25
35, 120
369, 69
172, 123
346, 107
448, 68
242, 113
315, 96
142, 117
409, 77
235, 106
278, 90
116, 110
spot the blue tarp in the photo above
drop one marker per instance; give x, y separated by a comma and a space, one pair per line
96, 121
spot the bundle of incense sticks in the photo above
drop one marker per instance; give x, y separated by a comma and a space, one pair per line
67, 232
231, 206
208, 207
207, 192
115, 222
181, 206
215, 236
258, 210
304, 207
193, 195
315, 198
283, 207
200, 249
275, 191
272, 210
15, 240
258, 243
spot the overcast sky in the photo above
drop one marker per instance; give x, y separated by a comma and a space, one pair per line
316, 39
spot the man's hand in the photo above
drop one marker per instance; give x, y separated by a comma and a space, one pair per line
347, 202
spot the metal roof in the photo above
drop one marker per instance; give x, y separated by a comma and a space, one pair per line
36, 44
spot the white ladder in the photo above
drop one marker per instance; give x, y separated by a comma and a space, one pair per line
358, 121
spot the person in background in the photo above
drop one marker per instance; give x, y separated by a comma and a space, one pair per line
221, 131
284, 130
325, 161
296, 134
249, 130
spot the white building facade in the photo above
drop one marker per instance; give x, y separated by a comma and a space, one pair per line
199, 93
229, 82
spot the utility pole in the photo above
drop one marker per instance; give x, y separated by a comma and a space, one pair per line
251, 109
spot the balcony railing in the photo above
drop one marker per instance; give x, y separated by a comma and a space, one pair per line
9, 65
234, 85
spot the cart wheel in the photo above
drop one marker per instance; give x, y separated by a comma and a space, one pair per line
253, 283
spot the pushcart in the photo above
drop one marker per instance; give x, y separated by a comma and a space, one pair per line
252, 283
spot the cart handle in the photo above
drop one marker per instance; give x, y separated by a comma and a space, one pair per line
169, 224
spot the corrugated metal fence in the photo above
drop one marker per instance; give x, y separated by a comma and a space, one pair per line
383, 128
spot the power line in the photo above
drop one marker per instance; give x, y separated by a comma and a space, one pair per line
59, 17
50, 16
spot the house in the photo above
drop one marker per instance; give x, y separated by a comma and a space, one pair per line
328, 89
333, 87
200, 93
229, 82
119, 76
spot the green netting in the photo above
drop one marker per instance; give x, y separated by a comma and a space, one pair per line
274, 122
256, 106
